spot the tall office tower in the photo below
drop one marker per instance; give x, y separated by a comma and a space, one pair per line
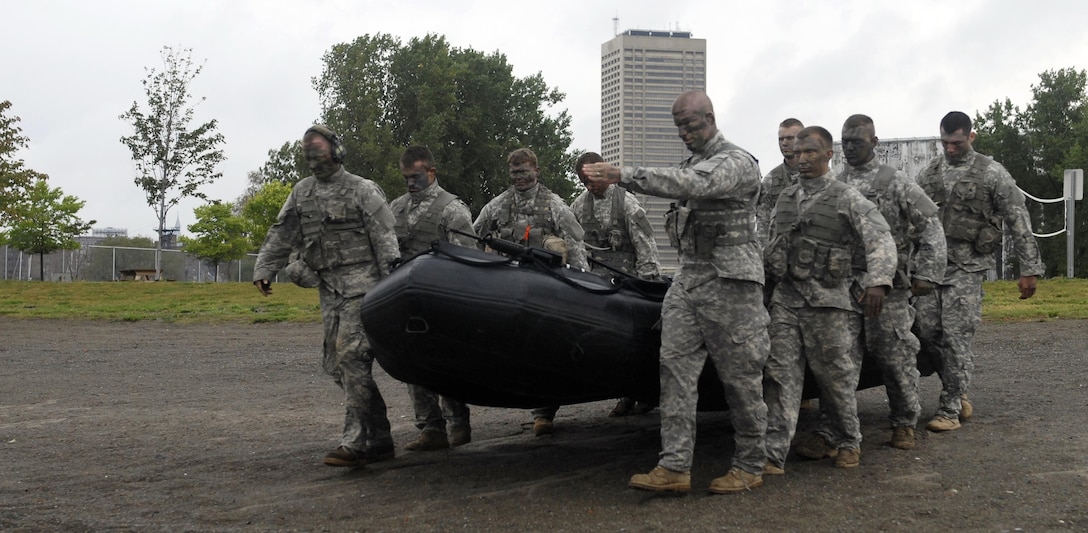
642, 73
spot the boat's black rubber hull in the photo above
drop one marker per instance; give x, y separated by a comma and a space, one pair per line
467, 324
513, 336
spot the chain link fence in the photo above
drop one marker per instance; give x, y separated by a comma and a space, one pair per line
120, 263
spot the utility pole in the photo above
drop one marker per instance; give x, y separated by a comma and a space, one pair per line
1074, 190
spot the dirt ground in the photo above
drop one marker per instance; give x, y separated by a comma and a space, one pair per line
164, 427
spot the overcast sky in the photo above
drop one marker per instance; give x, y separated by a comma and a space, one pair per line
70, 67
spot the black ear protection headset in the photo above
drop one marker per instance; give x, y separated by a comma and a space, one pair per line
337, 145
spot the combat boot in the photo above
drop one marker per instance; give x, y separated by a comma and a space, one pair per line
661, 479
543, 426
623, 407
344, 456
736, 480
966, 409
902, 437
460, 435
814, 447
848, 458
428, 441
942, 423
771, 469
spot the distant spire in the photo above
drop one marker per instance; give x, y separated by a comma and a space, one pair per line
177, 223
616, 25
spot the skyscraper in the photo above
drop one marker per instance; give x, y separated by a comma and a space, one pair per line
642, 73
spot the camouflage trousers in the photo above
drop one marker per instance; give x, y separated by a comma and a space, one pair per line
723, 320
433, 411
823, 337
889, 342
945, 325
347, 358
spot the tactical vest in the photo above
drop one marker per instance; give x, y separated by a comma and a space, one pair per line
888, 207
967, 211
698, 226
820, 242
418, 239
540, 219
332, 234
778, 184
610, 245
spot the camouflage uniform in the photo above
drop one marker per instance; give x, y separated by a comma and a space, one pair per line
813, 313
919, 240
947, 318
422, 218
542, 212
346, 233
617, 232
773, 184
714, 307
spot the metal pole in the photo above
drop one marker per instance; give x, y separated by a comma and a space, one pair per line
1070, 213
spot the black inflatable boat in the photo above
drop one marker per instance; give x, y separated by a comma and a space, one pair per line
523, 330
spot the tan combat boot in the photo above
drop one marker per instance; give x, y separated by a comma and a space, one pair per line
848, 458
460, 435
736, 480
661, 479
942, 423
966, 409
902, 437
543, 426
429, 441
814, 447
771, 469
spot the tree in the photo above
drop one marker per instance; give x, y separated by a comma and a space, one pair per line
465, 105
220, 235
172, 160
128, 242
262, 210
1036, 145
14, 177
45, 221
285, 165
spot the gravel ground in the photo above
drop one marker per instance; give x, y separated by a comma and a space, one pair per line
147, 427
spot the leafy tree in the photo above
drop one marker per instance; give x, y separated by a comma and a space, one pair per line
262, 209
285, 165
14, 177
220, 235
45, 221
467, 106
173, 160
129, 242
1036, 145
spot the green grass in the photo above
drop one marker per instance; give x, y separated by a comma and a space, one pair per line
240, 302
164, 301
1054, 298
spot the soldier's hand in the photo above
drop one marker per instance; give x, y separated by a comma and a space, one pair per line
601, 173
264, 286
1027, 286
921, 287
873, 301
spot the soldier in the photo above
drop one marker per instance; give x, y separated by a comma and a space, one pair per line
428, 213
974, 194
919, 240
344, 231
618, 235
531, 215
819, 226
714, 307
779, 177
